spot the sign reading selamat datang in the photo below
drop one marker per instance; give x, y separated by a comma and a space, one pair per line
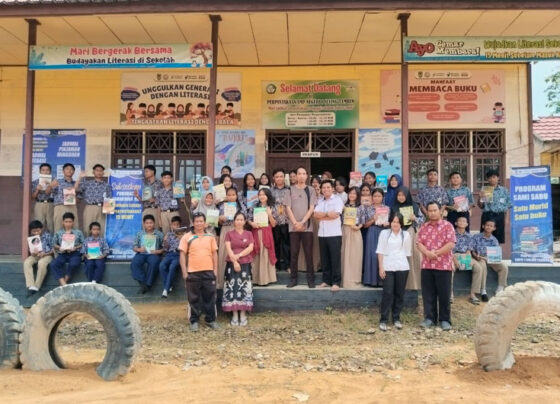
120, 56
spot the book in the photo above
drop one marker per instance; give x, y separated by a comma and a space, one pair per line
407, 212
35, 245
220, 192
263, 186
465, 262
494, 254
382, 182
149, 242
350, 217
69, 196
178, 189
195, 196
487, 194
67, 242
260, 217
355, 179
461, 203
93, 250
252, 198
382, 213
44, 181
230, 208
109, 205
147, 193
212, 216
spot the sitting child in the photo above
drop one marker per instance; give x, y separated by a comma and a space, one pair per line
95, 251
148, 248
68, 243
170, 262
40, 258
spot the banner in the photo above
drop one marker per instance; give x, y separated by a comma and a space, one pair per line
331, 104
465, 96
380, 151
120, 56
481, 49
173, 98
123, 225
57, 147
235, 148
531, 223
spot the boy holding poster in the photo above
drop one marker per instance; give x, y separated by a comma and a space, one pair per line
64, 196
68, 243
41, 257
41, 192
148, 246
94, 250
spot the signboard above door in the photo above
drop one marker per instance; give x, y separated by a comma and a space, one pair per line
310, 154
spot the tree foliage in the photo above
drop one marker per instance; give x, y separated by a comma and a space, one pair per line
553, 92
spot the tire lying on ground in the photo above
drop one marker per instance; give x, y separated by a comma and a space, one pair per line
12, 318
106, 305
501, 316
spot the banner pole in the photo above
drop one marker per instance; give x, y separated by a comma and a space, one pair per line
211, 132
403, 17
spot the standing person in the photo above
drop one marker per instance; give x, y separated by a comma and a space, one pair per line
482, 241
496, 207
94, 251
327, 175
249, 184
367, 212
68, 252
436, 240
203, 207
293, 177
58, 189
300, 207
94, 191
455, 192
370, 180
206, 186
327, 213
41, 259
264, 180
227, 225
375, 225
281, 194
432, 192
150, 186
340, 189
43, 210
238, 288
316, 185
169, 264
199, 265
148, 247
168, 205
352, 244
264, 256
225, 170
393, 249
395, 182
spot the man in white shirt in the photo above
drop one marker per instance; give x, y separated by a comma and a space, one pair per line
327, 212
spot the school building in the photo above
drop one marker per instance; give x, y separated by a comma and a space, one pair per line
267, 47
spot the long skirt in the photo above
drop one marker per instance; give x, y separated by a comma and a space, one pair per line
415, 261
352, 251
238, 289
263, 271
222, 255
371, 267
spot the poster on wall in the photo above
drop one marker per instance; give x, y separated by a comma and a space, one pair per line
123, 225
464, 96
58, 147
292, 104
380, 151
178, 98
235, 148
531, 223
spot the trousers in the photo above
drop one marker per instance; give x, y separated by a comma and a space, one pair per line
304, 238
392, 301
436, 288
282, 246
137, 267
42, 268
58, 265
201, 293
167, 268
95, 269
330, 249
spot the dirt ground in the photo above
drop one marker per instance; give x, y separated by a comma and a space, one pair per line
326, 357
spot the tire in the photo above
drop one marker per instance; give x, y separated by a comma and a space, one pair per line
106, 305
12, 318
498, 321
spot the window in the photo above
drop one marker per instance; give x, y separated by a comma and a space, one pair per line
127, 150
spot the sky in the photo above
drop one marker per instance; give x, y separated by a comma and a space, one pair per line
541, 70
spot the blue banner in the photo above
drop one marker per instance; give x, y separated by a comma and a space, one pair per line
531, 224
123, 225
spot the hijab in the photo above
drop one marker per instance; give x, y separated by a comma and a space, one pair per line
202, 207
408, 202
391, 194
203, 192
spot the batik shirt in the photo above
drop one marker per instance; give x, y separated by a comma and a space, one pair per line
165, 200
230, 222
41, 196
365, 213
94, 191
156, 186
102, 244
500, 201
464, 243
172, 242
433, 194
58, 192
433, 236
140, 234
280, 196
46, 242
57, 240
481, 242
461, 191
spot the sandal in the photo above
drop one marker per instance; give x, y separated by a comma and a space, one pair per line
234, 323
474, 300
243, 323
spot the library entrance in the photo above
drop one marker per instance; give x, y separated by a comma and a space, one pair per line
317, 151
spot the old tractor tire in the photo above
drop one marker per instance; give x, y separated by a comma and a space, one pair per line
12, 318
106, 305
498, 321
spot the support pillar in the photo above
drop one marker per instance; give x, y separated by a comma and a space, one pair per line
530, 114
211, 132
403, 17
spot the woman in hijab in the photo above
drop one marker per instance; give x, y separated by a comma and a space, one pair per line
395, 182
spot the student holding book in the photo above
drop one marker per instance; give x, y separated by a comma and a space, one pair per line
95, 250
432, 192
41, 192
495, 203
265, 181
167, 202
352, 244
459, 199
376, 224
281, 193
150, 186
148, 247
487, 253
67, 243
208, 207
248, 195
263, 219
94, 192
40, 254
64, 196
367, 212
395, 182
169, 264
227, 211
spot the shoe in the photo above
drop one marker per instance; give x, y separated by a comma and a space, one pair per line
451, 300
484, 297
383, 326
445, 326
499, 289
164, 294
293, 282
213, 325
194, 327
311, 285
142, 289
170, 289
474, 300
398, 325
335, 288
427, 323
243, 322
234, 322
93, 281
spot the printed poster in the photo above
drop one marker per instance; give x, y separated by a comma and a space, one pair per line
380, 151
178, 98
235, 148
123, 225
464, 96
531, 221
330, 104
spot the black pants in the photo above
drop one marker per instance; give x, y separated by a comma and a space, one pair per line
282, 246
393, 295
201, 293
296, 239
330, 249
500, 219
436, 287
452, 217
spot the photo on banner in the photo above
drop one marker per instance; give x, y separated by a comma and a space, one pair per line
235, 148
380, 151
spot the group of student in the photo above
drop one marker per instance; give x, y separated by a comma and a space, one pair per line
359, 235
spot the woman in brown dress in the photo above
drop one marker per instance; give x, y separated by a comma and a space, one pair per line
352, 245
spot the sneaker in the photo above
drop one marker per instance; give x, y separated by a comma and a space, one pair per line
194, 327
427, 323
398, 325
445, 326
170, 289
293, 282
164, 294
34, 289
213, 325
499, 289
484, 297
142, 289
383, 326
93, 281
